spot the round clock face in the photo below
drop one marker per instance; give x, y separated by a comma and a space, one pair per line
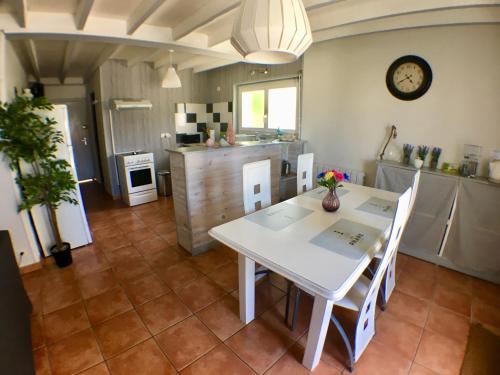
409, 77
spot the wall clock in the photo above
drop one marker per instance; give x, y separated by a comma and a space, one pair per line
409, 77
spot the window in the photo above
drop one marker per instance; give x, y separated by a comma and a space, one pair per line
269, 105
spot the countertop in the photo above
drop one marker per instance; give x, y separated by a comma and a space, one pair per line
204, 148
479, 179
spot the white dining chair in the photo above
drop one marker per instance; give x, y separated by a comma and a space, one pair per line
256, 185
257, 194
304, 172
389, 280
362, 297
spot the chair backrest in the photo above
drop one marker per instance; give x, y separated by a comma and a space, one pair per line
304, 172
256, 185
366, 318
414, 190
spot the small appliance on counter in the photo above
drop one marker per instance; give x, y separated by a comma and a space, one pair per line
470, 163
136, 171
494, 167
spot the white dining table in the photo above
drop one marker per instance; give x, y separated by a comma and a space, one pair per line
292, 238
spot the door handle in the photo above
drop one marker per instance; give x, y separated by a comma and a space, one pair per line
84, 140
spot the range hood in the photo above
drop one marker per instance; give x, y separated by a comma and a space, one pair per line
119, 104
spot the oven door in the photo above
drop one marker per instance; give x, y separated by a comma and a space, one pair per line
140, 178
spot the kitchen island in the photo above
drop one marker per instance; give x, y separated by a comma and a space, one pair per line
207, 187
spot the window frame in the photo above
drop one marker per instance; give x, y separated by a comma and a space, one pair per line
266, 85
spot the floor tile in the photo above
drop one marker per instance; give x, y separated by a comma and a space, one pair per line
74, 354
145, 289
414, 286
401, 336
486, 291
94, 263
106, 305
65, 322
41, 361
97, 283
130, 224
258, 345
226, 277
454, 280
163, 312
100, 369
266, 295
113, 243
141, 235
164, 227
186, 341
144, 358
408, 308
120, 333
453, 300
161, 260
291, 364
209, 261
448, 323
123, 254
151, 246
380, 359
128, 271
485, 313
178, 275
222, 317
62, 295
417, 369
440, 353
105, 232
37, 335
219, 361
200, 293
420, 269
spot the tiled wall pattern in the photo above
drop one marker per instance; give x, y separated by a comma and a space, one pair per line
195, 117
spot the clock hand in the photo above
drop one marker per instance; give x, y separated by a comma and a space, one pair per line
409, 78
404, 79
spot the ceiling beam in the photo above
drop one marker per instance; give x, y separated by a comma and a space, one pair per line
82, 13
212, 65
33, 57
107, 53
69, 55
212, 10
22, 12
145, 9
148, 56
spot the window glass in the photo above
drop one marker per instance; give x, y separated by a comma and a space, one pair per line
282, 108
253, 109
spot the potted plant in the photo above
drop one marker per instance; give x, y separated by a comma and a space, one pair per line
407, 151
29, 141
421, 155
331, 180
435, 154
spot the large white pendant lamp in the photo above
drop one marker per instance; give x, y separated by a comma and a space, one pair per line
271, 31
171, 79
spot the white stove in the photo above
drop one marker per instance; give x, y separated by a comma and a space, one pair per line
136, 171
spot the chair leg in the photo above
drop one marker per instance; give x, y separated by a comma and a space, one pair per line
296, 308
347, 343
287, 307
383, 301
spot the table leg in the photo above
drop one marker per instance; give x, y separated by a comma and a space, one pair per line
322, 310
246, 272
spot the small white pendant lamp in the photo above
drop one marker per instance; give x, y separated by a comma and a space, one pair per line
271, 31
171, 79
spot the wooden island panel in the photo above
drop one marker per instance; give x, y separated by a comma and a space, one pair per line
207, 189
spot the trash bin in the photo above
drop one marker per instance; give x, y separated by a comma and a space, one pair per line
164, 182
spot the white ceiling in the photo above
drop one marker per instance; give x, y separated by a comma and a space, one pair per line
61, 39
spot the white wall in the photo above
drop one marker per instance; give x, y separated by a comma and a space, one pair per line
17, 224
347, 106
65, 92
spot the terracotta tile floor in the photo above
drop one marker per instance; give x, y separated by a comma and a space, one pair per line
136, 303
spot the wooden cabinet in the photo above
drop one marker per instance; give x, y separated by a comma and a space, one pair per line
455, 222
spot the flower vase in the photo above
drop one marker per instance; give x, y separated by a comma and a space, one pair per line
331, 202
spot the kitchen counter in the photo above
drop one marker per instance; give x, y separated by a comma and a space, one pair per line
207, 187
203, 148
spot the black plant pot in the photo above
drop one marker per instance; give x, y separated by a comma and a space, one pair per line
62, 256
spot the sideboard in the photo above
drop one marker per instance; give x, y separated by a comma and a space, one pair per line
455, 221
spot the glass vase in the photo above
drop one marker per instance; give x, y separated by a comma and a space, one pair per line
331, 202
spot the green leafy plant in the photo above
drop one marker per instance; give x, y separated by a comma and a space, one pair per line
29, 141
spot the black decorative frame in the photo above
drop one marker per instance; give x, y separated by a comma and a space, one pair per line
426, 83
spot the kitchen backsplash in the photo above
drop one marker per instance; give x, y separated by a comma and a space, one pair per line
195, 117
